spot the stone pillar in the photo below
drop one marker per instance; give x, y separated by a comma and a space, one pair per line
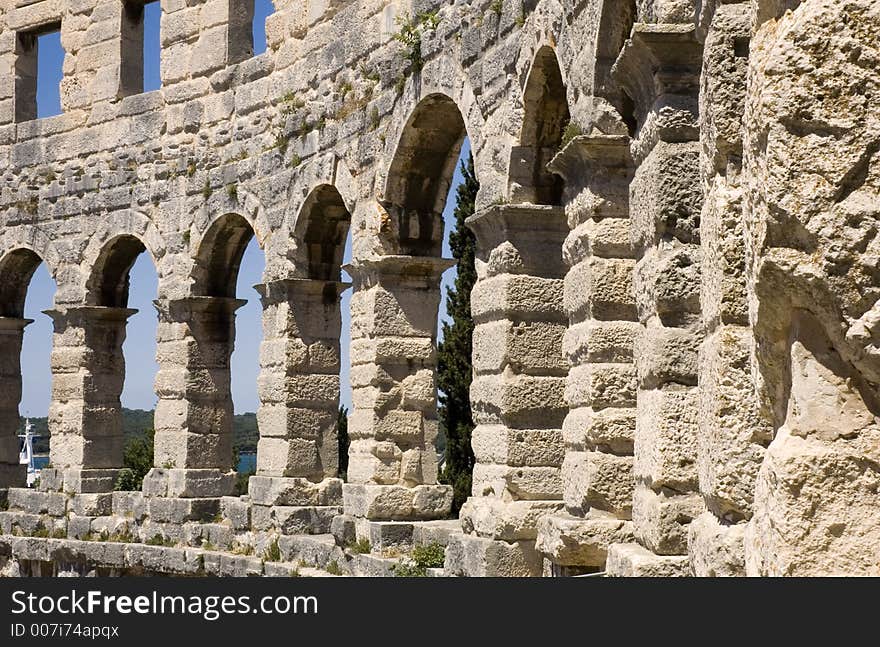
85, 416
597, 473
193, 422
732, 433
392, 469
11, 333
298, 452
518, 390
660, 69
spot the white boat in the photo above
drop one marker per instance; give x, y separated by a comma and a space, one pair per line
26, 453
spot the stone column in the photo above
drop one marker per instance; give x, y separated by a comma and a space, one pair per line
732, 433
85, 416
298, 452
597, 473
11, 333
660, 69
193, 422
518, 390
392, 469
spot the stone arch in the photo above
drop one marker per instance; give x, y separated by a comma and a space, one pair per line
420, 175
218, 256
16, 269
321, 230
545, 116
615, 26
108, 282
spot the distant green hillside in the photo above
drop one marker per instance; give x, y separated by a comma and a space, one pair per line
136, 421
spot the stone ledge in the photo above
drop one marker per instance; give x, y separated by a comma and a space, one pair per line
290, 491
633, 560
397, 502
574, 541
471, 556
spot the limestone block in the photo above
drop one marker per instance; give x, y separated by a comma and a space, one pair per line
632, 560
732, 434
600, 341
609, 430
492, 517
294, 520
129, 505
667, 355
505, 296
601, 287
396, 503
519, 402
532, 483
517, 447
666, 428
385, 535
27, 500
601, 385
471, 556
716, 550
276, 491
91, 505
237, 511
524, 346
176, 510
578, 541
598, 480
661, 520
175, 482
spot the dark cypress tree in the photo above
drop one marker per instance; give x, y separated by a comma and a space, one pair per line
454, 369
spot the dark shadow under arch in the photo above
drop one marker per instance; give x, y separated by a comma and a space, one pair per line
421, 173
321, 231
545, 117
109, 281
219, 256
16, 270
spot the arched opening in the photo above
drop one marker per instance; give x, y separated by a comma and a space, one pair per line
394, 424
119, 328
300, 377
195, 415
615, 27
26, 289
245, 362
421, 174
219, 257
545, 118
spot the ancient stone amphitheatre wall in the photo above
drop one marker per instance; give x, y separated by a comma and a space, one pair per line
676, 347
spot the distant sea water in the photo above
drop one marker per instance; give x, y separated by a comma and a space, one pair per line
247, 462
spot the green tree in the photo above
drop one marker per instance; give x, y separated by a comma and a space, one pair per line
454, 368
342, 438
137, 459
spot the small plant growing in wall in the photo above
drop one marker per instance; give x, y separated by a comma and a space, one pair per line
333, 568
410, 33
232, 192
272, 552
570, 131
497, 6
362, 546
206, 190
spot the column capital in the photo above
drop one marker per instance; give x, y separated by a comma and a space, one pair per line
78, 314
659, 68
197, 306
585, 154
273, 292
398, 269
13, 324
520, 239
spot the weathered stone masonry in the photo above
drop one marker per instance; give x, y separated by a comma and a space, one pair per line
675, 352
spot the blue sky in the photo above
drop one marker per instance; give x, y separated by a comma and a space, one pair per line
140, 345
